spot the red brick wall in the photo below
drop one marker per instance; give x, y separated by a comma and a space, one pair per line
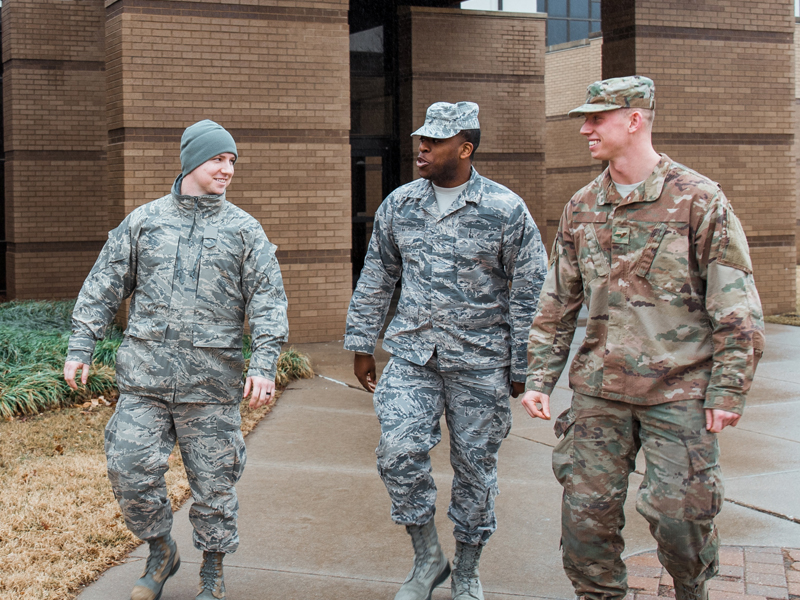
495, 59
725, 104
54, 138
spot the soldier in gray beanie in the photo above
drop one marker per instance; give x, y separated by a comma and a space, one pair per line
472, 264
193, 265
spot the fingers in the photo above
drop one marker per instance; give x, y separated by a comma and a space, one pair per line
365, 371
717, 420
537, 405
263, 391
71, 369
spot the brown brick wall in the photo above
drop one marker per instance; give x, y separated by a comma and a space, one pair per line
499, 63
725, 104
276, 75
797, 130
569, 69
54, 138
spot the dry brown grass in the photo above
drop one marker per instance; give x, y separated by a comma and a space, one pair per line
60, 526
789, 318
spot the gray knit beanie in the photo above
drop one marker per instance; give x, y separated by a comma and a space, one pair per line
202, 141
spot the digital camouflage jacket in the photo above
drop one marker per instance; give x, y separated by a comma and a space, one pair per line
666, 275
470, 278
193, 268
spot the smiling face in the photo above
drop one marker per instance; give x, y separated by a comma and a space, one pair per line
211, 178
608, 134
444, 162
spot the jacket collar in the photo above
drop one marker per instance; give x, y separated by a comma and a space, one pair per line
427, 197
649, 192
205, 205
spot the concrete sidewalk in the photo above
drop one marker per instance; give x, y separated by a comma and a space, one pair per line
315, 522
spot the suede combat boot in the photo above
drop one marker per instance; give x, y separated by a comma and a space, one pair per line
465, 583
212, 585
691, 592
162, 563
430, 564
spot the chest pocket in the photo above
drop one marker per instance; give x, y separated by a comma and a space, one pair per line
479, 237
664, 261
592, 260
409, 236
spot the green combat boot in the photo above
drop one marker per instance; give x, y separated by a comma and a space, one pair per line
430, 564
465, 583
162, 563
212, 585
691, 592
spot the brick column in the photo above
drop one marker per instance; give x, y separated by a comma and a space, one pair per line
495, 59
725, 95
55, 135
276, 75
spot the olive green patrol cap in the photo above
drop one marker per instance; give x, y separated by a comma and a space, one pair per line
620, 92
444, 120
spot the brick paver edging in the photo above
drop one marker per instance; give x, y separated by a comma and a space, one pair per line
745, 573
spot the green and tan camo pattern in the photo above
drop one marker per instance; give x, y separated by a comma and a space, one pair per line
470, 278
620, 92
193, 268
666, 275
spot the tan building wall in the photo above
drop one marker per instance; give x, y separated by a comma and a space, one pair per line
54, 141
276, 75
569, 68
797, 127
725, 97
499, 63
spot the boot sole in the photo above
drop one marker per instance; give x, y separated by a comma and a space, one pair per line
439, 580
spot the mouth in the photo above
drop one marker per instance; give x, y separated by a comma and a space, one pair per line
221, 181
421, 162
593, 143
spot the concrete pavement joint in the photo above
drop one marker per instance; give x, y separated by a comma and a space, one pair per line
765, 511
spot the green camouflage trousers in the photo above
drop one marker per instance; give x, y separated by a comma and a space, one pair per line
139, 438
409, 401
680, 495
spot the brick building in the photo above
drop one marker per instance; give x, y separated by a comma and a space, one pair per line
321, 97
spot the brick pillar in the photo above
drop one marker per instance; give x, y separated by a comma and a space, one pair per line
495, 59
571, 67
725, 92
276, 75
55, 136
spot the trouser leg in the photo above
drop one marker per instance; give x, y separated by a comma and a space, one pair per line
138, 440
212, 446
409, 401
592, 462
682, 490
478, 419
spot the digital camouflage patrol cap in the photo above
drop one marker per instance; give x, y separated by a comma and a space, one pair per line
619, 92
444, 120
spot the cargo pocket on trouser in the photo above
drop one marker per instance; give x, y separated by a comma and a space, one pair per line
563, 452
705, 491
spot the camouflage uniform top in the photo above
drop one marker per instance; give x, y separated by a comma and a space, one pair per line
193, 267
456, 270
667, 279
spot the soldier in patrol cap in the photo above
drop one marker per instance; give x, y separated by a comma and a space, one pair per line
673, 336
193, 265
471, 262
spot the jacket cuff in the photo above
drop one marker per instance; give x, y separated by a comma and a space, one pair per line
536, 385
81, 351
259, 369
357, 343
729, 402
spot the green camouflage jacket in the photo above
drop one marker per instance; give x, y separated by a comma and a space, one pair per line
667, 279
470, 278
193, 268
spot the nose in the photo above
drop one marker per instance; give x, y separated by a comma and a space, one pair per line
424, 146
586, 129
227, 167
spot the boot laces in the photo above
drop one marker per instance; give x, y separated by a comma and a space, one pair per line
211, 571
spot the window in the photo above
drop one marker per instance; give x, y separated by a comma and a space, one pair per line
569, 20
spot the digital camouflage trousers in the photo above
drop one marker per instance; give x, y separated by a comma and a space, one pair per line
409, 402
680, 495
139, 438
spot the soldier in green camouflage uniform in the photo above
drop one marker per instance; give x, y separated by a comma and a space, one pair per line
472, 264
673, 336
193, 265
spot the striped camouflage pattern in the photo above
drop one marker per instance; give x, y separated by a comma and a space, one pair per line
444, 120
456, 269
139, 438
666, 275
193, 267
409, 401
680, 494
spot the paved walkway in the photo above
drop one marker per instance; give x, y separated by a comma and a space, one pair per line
315, 516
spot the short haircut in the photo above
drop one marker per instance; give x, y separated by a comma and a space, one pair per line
648, 115
473, 136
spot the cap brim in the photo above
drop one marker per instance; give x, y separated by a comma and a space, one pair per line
592, 108
436, 133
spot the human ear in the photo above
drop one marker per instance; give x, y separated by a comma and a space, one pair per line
466, 150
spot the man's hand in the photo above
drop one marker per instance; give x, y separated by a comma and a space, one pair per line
263, 391
531, 399
517, 388
71, 369
364, 369
717, 420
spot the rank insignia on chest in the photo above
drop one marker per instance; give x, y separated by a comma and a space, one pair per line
621, 235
